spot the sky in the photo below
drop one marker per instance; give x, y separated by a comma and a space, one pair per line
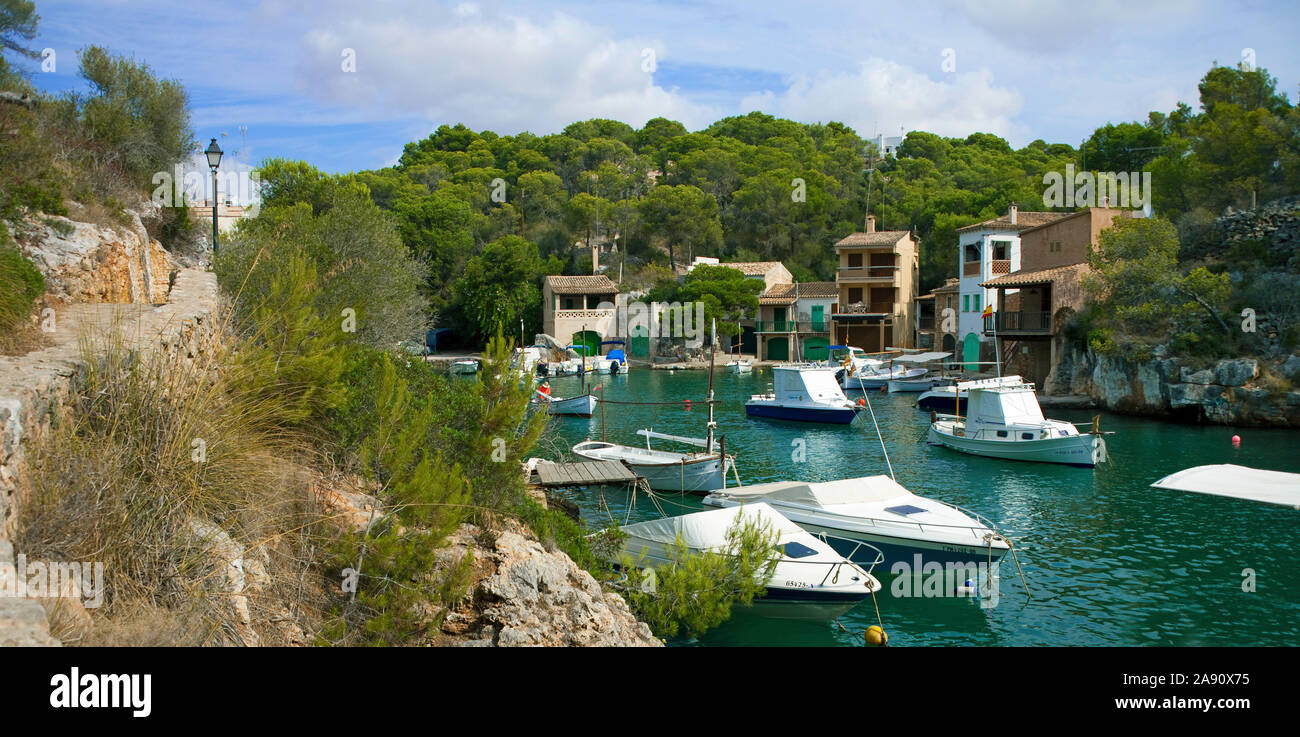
346, 84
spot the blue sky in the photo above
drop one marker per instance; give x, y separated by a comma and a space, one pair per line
1023, 69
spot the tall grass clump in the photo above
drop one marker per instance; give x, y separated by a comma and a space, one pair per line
21, 284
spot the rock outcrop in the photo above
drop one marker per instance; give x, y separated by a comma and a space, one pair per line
525, 595
84, 262
1236, 391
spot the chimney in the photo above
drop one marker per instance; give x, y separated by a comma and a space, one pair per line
871, 223
595, 259
1011, 213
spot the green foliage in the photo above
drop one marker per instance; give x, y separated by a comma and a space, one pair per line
694, 592
354, 248
21, 284
726, 293
402, 591
133, 119
501, 285
1141, 297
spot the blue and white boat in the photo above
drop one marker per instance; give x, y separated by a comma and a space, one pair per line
805, 392
876, 511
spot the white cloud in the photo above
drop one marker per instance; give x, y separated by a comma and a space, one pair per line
502, 72
883, 95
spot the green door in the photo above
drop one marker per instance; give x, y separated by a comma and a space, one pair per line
778, 319
815, 348
818, 317
778, 349
971, 351
590, 339
638, 343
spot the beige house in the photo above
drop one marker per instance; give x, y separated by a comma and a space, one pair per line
579, 309
876, 289
794, 321
1036, 301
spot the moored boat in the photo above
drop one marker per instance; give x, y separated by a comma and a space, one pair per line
880, 512
809, 571
803, 392
740, 367
1005, 421
665, 470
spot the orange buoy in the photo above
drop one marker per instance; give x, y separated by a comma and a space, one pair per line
688, 405
862, 402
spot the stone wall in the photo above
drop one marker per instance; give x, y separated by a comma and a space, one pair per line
34, 387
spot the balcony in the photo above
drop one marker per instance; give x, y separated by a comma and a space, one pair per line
875, 308
867, 274
774, 326
970, 268
815, 326
1032, 322
1000, 266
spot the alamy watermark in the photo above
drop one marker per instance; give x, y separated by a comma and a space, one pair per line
1130, 189
40, 579
658, 319
954, 579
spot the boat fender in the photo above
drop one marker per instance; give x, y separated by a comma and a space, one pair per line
875, 636
862, 402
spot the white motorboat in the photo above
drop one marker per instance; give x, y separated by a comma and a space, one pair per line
875, 374
581, 406
805, 392
665, 470
878, 511
464, 368
1005, 421
810, 571
740, 367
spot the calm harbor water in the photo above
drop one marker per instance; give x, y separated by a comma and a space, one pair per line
1108, 560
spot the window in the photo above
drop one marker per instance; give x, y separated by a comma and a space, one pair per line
972, 253
568, 304
1054, 246
904, 509
798, 550
1026, 436
855, 260
1002, 433
977, 303
855, 295
1001, 250
965, 303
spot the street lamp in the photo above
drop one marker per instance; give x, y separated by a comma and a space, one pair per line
214, 160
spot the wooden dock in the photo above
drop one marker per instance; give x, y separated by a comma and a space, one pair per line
587, 473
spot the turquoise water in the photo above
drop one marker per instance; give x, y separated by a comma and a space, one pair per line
1108, 560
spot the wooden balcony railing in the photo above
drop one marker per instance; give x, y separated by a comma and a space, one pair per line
1025, 321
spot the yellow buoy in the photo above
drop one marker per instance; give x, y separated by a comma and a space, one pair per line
875, 636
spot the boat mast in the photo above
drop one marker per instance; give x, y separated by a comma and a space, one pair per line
708, 447
582, 357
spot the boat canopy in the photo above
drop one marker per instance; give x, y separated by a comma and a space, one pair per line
1004, 405
1013, 380
616, 354
708, 530
816, 382
822, 494
1238, 482
922, 357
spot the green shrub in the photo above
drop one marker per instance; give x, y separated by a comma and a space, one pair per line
21, 284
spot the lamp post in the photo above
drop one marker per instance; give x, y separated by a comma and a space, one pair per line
214, 160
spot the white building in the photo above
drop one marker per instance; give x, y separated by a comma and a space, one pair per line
988, 250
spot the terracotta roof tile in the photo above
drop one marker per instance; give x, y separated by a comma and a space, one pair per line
878, 238
1040, 276
599, 284
1024, 221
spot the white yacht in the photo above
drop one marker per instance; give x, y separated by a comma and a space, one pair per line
805, 392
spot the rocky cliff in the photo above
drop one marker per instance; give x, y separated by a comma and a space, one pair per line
1239, 391
86, 262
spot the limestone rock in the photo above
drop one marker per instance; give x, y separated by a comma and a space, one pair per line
1236, 372
85, 262
525, 595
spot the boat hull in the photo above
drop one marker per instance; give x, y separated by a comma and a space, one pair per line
583, 406
898, 549
935, 402
802, 414
701, 476
1085, 450
910, 385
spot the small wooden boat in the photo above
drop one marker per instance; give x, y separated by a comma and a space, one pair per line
910, 385
740, 367
583, 406
665, 470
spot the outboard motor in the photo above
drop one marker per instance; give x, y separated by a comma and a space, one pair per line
613, 367
541, 369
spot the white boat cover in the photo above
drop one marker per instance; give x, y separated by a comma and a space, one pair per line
1239, 482
824, 493
708, 530
797, 382
1005, 405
